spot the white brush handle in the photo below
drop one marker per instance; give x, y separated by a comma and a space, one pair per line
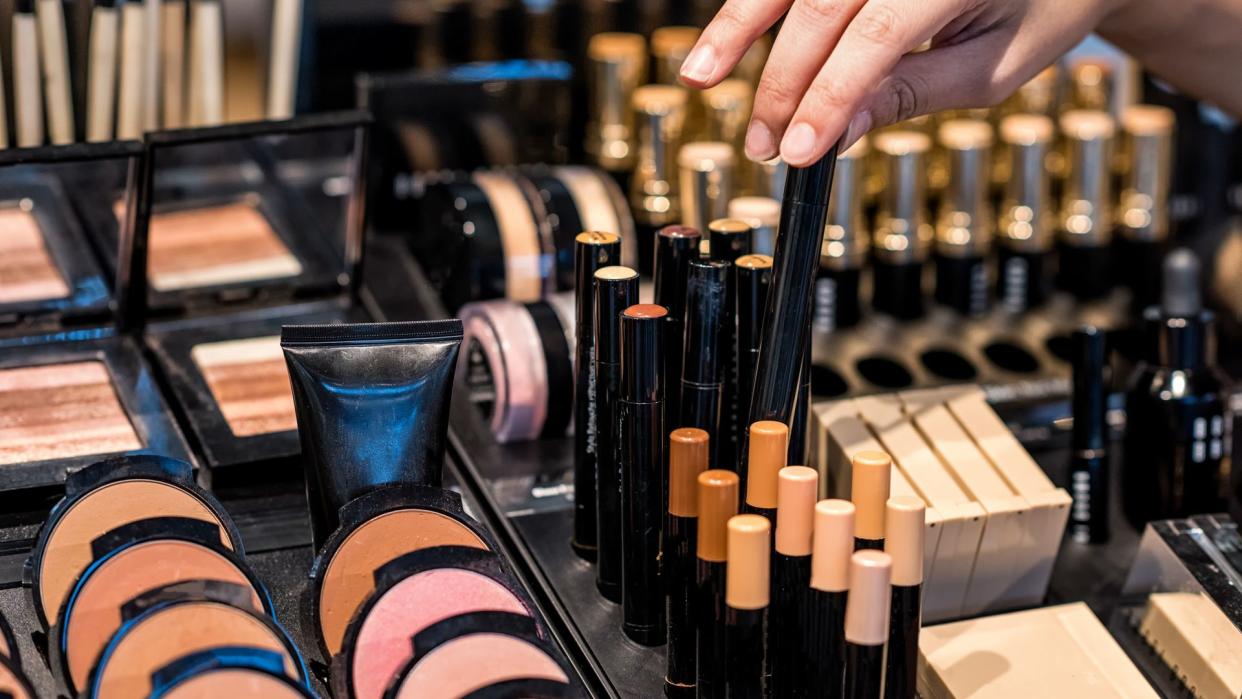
50, 15
129, 99
27, 92
173, 49
206, 63
283, 70
101, 83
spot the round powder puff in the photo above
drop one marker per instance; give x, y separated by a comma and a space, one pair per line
472, 662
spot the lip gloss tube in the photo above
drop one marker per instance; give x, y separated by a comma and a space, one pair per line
869, 490
688, 449
718, 501
675, 247
1086, 214
747, 592
866, 624
769, 446
791, 583
616, 289
592, 252
1025, 230
965, 225
642, 460
706, 358
903, 524
824, 636
902, 234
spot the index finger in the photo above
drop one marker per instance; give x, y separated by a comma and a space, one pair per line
725, 39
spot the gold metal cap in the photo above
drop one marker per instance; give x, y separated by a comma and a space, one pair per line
1027, 218
905, 517
659, 115
833, 544
687, 458
769, 447
966, 222
797, 489
1091, 84
902, 233
749, 564
846, 237
1040, 94
869, 603
718, 501
706, 181
1147, 171
618, 64
669, 47
869, 491
1087, 203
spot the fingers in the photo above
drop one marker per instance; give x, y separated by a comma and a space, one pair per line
807, 36
872, 45
726, 38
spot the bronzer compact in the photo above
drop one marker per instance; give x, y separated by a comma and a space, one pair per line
72, 389
240, 230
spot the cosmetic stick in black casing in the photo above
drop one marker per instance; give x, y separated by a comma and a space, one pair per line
791, 582
1089, 453
1143, 206
706, 358
642, 463
746, 606
870, 481
592, 252
966, 222
866, 624
843, 253
728, 240
687, 459
1024, 235
903, 526
787, 318
1085, 221
675, 247
616, 289
902, 234
718, 502
769, 444
823, 639
754, 276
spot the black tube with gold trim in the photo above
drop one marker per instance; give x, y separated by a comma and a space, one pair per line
902, 233
1085, 221
1025, 234
965, 225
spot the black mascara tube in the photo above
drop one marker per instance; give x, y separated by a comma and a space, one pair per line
616, 289
642, 460
706, 358
592, 252
1089, 456
675, 247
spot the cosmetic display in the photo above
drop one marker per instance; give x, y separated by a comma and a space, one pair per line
654, 197
1147, 134
964, 227
1025, 228
706, 174
1085, 222
844, 250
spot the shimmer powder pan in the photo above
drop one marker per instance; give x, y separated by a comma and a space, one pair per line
250, 384
413, 593
469, 652
102, 497
376, 528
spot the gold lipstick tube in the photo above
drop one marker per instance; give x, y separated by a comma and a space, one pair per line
618, 65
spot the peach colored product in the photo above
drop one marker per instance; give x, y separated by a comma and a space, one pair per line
250, 382
59, 411
160, 637
95, 614
13, 683
349, 577
27, 270
233, 683
526, 264
67, 551
472, 662
512, 353
1197, 641
383, 649
216, 245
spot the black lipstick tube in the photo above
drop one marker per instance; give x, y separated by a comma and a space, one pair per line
730, 239
707, 358
675, 247
754, 276
642, 460
592, 251
788, 315
616, 289
1089, 455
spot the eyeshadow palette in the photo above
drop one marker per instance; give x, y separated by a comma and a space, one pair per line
250, 383
27, 270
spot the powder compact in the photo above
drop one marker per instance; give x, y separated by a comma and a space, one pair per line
249, 227
236, 672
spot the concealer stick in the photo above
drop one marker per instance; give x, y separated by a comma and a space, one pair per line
54, 54
824, 641
746, 605
791, 581
869, 491
718, 502
687, 459
27, 92
903, 529
206, 63
282, 77
769, 445
866, 623
101, 82
129, 91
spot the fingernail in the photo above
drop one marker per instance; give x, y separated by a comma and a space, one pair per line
700, 64
859, 125
798, 146
759, 143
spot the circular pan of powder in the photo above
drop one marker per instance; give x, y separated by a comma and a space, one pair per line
524, 689
469, 652
376, 528
412, 593
13, 682
102, 497
131, 563
232, 672
169, 629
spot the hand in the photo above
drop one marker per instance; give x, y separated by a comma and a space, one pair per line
846, 67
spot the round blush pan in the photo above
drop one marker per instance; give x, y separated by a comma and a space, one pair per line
64, 548
234, 683
460, 666
164, 633
382, 645
349, 576
13, 683
93, 613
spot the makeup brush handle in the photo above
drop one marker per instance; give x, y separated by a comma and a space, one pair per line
206, 63
283, 71
129, 97
27, 94
50, 16
101, 83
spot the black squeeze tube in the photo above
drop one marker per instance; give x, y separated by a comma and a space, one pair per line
612, 297
752, 294
727, 242
675, 247
372, 405
787, 319
706, 352
825, 631
592, 251
864, 671
642, 463
1021, 279
1089, 453
902, 664
788, 612
898, 289
745, 630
